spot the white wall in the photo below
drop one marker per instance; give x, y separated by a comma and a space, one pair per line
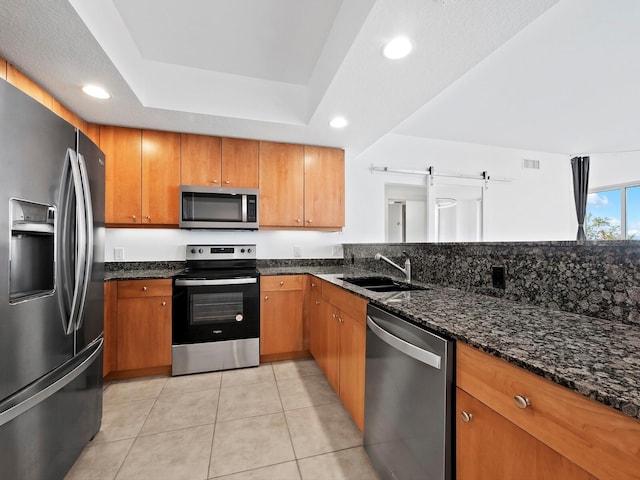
537, 205
614, 169
169, 244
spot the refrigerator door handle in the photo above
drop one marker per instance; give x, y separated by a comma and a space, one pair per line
81, 234
53, 382
88, 245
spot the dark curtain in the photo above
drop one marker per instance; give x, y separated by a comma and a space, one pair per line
580, 167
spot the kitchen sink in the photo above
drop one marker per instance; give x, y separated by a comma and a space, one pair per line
382, 284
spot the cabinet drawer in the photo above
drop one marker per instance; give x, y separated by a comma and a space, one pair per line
349, 303
281, 282
144, 288
599, 439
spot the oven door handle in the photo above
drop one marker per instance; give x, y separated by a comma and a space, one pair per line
180, 282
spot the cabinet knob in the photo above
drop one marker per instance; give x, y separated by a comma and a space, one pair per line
521, 402
297, 220
266, 297
317, 302
148, 217
163, 303
309, 221
133, 217
466, 416
227, 182
333, 315
281, 283
314, 285
214, 181
144, 289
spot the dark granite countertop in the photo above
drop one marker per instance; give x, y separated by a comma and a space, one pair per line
596, 358
141, 270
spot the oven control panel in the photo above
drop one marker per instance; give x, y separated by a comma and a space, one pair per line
220, 252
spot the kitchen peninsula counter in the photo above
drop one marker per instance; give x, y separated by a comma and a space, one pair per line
597, 358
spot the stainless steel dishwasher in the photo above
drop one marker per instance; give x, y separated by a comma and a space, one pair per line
408, 399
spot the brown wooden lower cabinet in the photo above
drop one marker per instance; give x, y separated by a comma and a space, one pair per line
489, 447
530, 427
281, 305
340, 346
137, 328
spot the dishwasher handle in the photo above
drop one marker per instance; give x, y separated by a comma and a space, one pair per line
424, 356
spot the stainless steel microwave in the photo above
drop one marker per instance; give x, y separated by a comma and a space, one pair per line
218, 207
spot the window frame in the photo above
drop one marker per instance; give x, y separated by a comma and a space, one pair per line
623, 202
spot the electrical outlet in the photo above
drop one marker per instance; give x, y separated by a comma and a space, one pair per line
118, 254
497, 277
297, 251
337, 251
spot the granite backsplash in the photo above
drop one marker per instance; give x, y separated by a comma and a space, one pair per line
599, 279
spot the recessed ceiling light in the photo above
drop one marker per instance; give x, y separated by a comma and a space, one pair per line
338, 122
399, 47
95, 91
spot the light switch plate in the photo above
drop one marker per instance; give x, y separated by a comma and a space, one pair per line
297, 251
118, 254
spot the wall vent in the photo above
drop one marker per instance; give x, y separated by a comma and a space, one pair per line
532, 164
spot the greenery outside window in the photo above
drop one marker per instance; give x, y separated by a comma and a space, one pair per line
613, 213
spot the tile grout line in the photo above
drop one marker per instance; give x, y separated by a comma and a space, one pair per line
286, 422
135, 439
215, 424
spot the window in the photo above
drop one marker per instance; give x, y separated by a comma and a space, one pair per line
613, 213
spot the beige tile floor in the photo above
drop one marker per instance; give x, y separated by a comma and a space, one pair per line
279, 421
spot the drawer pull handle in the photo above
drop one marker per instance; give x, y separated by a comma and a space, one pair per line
521, 402
281, 283
144, 289
466, 416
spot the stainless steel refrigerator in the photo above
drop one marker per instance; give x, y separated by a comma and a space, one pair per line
51, 289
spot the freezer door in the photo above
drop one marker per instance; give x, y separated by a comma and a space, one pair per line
33, 338
92, 163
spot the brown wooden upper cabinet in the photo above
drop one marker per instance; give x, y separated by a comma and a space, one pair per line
142, 176
123, 176
323, 187
301, 186
281, 185
219, 162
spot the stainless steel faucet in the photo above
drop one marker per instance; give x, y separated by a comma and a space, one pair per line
407, 265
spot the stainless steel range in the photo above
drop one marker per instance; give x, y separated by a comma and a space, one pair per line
216, 310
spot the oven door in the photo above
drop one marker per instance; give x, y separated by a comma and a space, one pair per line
215, 310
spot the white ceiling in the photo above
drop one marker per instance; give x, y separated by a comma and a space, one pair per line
533, 74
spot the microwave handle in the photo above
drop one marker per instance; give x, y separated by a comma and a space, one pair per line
244, 208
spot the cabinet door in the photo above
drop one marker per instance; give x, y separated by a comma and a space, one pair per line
281, 322
200, 160
323, 187
281, 184
315, 312
123, 151
160, 177
240, 163
144, 332
491, 447
110, 328
352, 358
332, 335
